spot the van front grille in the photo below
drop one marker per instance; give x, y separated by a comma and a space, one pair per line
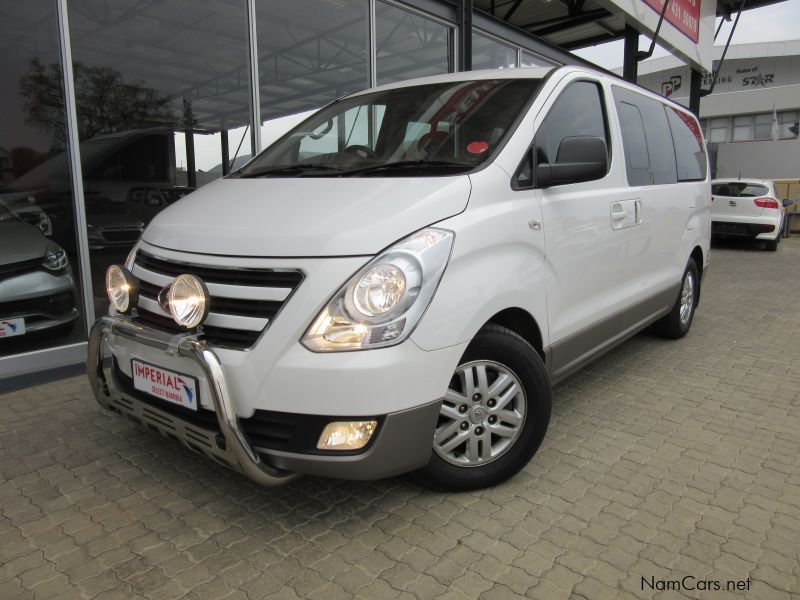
244, 301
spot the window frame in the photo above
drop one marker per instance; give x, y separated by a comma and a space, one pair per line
528, 154
667, 106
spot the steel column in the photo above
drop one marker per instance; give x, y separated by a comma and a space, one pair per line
74, 152
694, 92
630, 63
373, 46
255, 90
191, 170
226, 158
465, 35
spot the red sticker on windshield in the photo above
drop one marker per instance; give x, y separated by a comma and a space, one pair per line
477, 147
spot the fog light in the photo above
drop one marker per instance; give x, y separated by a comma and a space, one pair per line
188, 300
346, 435
121, 287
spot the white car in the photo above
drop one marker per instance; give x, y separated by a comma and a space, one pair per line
395, 283
747, 208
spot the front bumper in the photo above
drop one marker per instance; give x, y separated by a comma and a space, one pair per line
402, 442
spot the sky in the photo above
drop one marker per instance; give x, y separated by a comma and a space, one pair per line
767, 24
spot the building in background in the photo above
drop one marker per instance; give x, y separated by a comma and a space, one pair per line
751, 118
114, 110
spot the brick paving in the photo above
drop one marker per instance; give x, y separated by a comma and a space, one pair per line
663, 460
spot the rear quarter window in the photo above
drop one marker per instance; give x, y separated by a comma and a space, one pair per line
690, 152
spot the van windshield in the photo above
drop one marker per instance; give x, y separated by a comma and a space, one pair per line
422, 130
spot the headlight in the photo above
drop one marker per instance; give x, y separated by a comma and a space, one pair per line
55, 258
380, 290
381, 304
188, 300
45, 226
122, 288
131, 257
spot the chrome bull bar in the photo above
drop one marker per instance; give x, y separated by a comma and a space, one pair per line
242, 454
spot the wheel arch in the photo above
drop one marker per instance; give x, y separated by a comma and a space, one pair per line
697, 255
521, 322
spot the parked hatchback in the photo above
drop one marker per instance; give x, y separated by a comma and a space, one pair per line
748, 209
395, 284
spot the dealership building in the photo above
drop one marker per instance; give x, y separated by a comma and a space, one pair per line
751, 118
114, 110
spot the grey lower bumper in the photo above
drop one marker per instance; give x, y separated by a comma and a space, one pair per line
402, 443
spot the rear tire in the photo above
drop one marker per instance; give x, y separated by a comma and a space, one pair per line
676, 324
494, 416
772, 245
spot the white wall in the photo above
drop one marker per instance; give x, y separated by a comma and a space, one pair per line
761, 160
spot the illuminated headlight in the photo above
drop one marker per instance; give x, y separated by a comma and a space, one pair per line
188, 300
122, 288
384, 301
55, 258
346, 435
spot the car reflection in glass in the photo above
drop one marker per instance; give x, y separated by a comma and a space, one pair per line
24, 206
147, 201
37, 289
110, 225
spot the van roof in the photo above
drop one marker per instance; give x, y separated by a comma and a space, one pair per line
517, 73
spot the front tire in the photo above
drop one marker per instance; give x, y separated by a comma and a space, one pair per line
676, 324
494, 415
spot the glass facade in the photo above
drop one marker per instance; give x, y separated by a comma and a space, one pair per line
310, 53
409, 45
488, 53
144, 132
41, 304
160, 100
531, 60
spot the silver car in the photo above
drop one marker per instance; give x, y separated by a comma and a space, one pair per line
37, 289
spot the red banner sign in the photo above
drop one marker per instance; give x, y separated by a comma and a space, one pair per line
683, 14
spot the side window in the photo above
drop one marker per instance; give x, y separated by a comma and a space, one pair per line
690, 151
578, 111
637, 157
650, 161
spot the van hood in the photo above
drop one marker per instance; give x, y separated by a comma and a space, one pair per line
305, 216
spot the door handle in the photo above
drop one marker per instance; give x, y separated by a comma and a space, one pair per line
618, 214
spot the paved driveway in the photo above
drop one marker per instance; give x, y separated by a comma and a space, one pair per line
666, 464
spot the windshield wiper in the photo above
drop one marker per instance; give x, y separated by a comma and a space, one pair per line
289, 170
409, 164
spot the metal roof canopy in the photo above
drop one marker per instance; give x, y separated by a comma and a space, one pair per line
572, 24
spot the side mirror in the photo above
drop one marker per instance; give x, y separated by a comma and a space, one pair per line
580, 158
787, 203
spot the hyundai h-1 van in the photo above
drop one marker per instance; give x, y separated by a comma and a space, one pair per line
396, 283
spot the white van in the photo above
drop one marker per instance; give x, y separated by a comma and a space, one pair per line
396, 283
